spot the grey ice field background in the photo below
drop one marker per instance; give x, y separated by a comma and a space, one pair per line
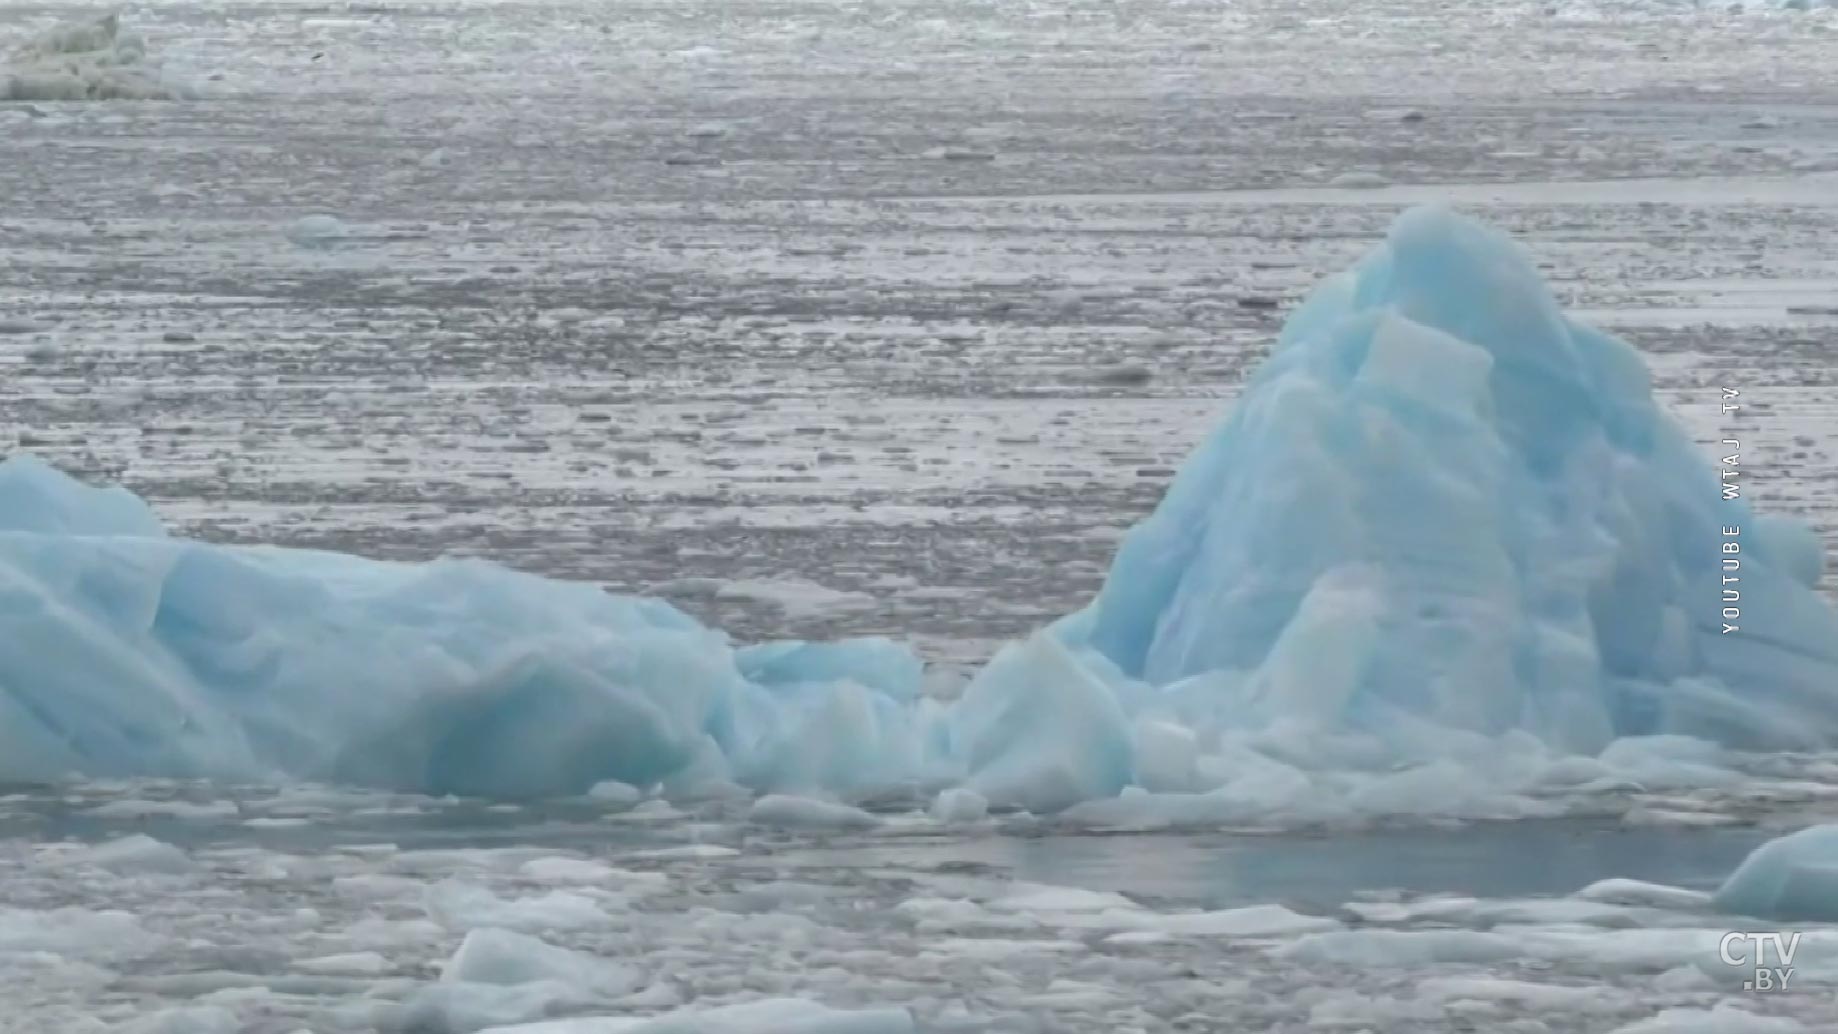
824, 319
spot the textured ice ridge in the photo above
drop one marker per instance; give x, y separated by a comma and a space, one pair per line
1446, 530
1442, 501
86, 61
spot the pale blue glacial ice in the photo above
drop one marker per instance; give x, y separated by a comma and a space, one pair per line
1441, 503
126, 652
1794, 877
1444, 525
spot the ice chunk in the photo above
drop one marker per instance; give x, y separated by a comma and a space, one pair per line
1794, 877
1443, 505
127, 653
879, 663
37, 498
494, 956
958, 805
75, 932
1639, 894
805, 813
1167, 757
1041, 731
136, 854
318, 231
86, 61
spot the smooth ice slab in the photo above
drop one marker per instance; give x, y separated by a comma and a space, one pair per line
1445, 539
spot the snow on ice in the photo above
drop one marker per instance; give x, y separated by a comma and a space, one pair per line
1445, 547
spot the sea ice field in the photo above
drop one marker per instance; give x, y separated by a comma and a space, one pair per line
880, 326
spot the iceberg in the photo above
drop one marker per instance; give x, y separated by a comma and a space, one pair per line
1792, 878
1446, 538
1442, 505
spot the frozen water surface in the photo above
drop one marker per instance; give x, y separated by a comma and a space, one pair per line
672, 301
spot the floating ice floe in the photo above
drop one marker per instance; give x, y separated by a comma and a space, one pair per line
318, 231
1446, 555
93, 60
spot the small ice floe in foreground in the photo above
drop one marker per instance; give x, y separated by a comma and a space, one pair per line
94, 60
318, 231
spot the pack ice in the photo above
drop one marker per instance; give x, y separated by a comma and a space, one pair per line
1446, 530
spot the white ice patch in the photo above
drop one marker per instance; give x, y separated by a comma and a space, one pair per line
75, 932
136, 854
1645, 895
493, 956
